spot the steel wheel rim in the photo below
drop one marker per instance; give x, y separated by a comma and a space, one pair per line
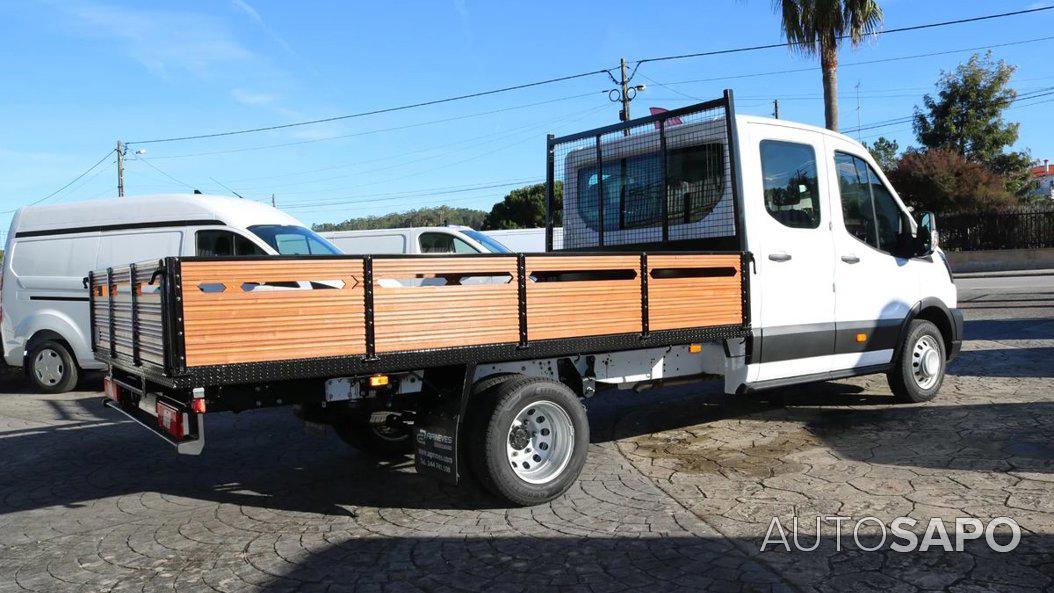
540, 442
926, 362
49, 367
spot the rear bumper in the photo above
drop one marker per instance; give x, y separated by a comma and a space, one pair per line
957, 333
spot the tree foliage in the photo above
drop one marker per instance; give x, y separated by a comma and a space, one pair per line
818, 26
524, 208
884, 151
943, 181
967, 114
438, 216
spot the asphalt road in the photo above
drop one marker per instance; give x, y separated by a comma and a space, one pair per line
680, 489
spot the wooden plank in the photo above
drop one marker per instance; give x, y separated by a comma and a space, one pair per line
272, 323
576, 308
680, 303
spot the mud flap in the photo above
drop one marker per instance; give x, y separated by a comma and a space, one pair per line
439, 419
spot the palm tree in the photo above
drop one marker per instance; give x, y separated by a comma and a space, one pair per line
817, 26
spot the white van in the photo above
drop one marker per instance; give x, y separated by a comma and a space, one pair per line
527, 240
44, 304
419, 240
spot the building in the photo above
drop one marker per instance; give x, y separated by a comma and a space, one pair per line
1044, 174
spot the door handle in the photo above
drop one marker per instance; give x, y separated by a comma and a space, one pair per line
850, 259
779, 256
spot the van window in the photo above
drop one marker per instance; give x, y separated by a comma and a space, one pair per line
870, 212
213, 243
54, 257
289, 239
857, 210
633, 188
792, 193
122, 249
444, 243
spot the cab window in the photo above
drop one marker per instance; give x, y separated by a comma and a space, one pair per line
444, 243
792, 194
215, 243
870, 212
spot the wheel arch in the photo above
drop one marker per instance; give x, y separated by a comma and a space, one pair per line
935, 311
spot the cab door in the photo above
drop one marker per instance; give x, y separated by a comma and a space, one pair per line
876, 282
785, 185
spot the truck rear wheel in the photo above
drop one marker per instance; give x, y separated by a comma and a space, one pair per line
383, 434
918, 374
51, 368
528, 440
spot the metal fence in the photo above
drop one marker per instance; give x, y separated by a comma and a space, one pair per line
658, 180
1005, 230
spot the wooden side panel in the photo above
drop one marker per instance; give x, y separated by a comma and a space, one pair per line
575, 306
276, 321
439, 302
699, 301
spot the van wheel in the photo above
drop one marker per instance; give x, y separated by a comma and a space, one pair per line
382, 434
528, 440
918, 374
51, 368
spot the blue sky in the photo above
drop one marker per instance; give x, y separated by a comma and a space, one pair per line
78, 75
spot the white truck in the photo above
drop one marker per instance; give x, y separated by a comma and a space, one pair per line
698, 244
433, 240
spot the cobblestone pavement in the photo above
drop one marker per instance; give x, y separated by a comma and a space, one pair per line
677, 495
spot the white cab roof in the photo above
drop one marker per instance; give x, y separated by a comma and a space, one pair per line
234, 212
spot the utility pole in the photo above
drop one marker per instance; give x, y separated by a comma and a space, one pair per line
120, 169
776, 108
858, 110
624, 114
273, 205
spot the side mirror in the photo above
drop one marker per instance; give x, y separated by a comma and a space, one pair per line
926, 238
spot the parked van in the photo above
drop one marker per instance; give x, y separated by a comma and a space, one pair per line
44, 305
420, 240
527, 240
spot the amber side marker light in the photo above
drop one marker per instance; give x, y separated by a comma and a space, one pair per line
378, 381
861, 338
695, 348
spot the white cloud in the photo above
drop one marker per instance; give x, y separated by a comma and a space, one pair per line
256, 18
162, 40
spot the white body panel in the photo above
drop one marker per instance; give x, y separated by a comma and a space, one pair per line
416, 241
43, 272
527, 240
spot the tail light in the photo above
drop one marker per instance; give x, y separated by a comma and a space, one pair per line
170, 419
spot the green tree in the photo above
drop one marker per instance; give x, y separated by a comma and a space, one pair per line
944, 181
884, 151
438, 216
967, 114
524, 208
818, 26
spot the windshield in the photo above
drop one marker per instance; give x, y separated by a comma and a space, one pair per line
492, 245
293, 240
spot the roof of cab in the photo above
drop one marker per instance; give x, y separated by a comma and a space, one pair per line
786, 123
187, 208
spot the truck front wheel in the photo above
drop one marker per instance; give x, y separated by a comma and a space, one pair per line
919, 372
528, 440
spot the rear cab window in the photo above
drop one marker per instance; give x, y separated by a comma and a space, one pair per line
792, 195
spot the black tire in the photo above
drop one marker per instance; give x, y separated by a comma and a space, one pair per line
490, 426
381, 434
913, 380
50, 367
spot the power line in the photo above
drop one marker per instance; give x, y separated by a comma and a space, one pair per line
155, 167
74, 180
606, 72
376, 111
883, 32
